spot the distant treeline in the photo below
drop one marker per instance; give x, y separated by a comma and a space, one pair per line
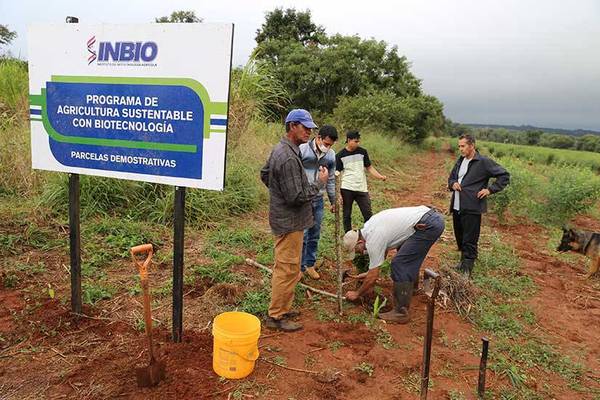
523, 128
532, 137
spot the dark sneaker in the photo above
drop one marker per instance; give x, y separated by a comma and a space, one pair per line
291, 314
283, 324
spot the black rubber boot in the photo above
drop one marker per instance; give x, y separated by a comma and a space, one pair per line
402, 297
467, 266
459, 267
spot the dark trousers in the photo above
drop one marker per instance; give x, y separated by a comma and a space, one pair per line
411, 254
466, 232
364, 203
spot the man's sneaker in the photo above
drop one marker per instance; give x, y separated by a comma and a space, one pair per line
283, 324
312, 272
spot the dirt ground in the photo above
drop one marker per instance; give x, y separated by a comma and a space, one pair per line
46, 352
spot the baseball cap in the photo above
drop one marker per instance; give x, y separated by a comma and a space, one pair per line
302, 116
348, 244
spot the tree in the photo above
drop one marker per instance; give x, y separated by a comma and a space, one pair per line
532, 137
557, 141
588, 143
410, 118
6, 35
180, 16
290, 25
460, 129
317, 75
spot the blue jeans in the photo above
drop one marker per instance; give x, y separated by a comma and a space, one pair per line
411, 254
312, 235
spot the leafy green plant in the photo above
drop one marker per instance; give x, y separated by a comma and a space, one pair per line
10, 280
335, 345
365, 368
378, 305
92, 293
279, 360
456, 395
256, 302
385, 339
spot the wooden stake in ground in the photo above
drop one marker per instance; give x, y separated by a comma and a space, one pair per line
319, 291
338, 254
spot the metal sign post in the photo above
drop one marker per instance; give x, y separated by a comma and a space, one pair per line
178, 235
74, 231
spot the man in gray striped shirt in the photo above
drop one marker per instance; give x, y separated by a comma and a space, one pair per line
290, 212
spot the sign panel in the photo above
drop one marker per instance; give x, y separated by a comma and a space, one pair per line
140, 102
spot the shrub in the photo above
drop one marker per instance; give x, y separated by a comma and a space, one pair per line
410, 118
570, 191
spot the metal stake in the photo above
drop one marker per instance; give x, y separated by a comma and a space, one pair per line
338, 255
482, 367
429, 274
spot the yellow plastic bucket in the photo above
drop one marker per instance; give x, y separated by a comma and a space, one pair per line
235, 344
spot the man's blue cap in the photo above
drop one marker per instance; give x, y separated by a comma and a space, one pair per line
302, 116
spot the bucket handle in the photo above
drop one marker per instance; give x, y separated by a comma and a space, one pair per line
251, 356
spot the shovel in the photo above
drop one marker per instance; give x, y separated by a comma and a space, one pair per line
153, 373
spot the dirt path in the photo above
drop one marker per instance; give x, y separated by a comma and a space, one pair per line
566, 304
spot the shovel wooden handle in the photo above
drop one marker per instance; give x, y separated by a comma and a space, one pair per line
142, 248
143, 269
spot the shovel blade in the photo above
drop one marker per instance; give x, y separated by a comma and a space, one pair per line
150, 375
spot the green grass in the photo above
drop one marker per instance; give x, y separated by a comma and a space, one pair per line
543, 155
94, 292
256, 302
33, 236
335, 345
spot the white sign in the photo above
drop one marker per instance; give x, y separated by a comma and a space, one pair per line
140, 102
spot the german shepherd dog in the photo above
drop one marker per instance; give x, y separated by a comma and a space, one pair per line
584, 242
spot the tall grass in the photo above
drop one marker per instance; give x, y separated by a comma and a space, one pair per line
146, 201
14, 91
256, 94
15, 154
16, 175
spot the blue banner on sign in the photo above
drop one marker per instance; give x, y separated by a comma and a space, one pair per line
160, 127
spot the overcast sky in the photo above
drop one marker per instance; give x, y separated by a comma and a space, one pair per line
502, 62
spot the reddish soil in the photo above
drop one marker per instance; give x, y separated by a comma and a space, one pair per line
45, 352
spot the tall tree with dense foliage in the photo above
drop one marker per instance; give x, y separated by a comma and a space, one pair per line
317, 69
181, 17
290, 25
